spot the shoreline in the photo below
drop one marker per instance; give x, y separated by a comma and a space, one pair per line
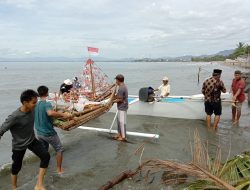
234, 64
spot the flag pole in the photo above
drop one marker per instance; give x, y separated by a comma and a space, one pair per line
92, 77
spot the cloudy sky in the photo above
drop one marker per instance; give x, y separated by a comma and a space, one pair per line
121, 28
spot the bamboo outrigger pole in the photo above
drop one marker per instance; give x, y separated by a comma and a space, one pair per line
147, 135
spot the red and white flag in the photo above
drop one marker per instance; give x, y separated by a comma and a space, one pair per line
93, 51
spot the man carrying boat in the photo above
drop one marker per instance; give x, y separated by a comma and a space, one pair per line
237, 88
212, 89
164, 88
122, 106
21, 126
46, 133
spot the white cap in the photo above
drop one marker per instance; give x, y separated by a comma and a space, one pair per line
67, 82
165, 78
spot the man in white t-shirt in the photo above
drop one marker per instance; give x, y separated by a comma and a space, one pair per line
164, 88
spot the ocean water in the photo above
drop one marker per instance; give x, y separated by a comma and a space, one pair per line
90, 158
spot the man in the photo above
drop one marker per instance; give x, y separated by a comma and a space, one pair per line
122, 106
237, 88
164, 88
212, 89
21, 126
46, 133
76, 83
66, 86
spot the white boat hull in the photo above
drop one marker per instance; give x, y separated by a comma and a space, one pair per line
186, 108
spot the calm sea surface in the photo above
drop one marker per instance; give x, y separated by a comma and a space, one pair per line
91, 159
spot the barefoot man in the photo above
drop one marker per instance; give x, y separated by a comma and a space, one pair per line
237, 88
46, 133
122, 106
21, 126
212, 89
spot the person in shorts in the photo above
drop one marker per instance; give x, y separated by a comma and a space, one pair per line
211, 89
21, 126
46, 133
237, 88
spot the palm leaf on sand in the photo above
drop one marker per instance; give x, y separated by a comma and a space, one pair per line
202, 172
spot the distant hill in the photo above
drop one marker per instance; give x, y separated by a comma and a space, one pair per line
63, 59
99, 59
225, 52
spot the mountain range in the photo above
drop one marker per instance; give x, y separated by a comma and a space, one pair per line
98, 59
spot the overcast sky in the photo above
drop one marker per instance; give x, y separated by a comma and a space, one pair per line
121, 28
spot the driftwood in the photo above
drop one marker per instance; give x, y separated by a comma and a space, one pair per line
124, 175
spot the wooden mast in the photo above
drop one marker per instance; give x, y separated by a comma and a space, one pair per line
92, 78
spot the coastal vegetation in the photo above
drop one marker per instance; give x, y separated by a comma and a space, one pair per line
242, 49
202, 172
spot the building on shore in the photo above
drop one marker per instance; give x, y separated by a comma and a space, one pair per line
242, 61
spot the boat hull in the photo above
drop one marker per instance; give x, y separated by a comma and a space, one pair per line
177, 107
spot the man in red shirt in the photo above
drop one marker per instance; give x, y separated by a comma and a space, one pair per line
237, 89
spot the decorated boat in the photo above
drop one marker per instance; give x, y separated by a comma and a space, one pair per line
93, 98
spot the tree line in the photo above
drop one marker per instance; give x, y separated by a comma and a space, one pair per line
241, 50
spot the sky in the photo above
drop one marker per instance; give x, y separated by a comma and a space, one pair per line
121, 28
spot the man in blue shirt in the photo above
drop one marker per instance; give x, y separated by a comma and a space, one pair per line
46, 133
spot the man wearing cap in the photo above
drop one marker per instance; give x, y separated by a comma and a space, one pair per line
122, 106
164, 88
212, 89
237, 88
66, 86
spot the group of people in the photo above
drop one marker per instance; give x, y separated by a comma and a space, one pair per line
38, 115
31, 127
212, 88
68, 85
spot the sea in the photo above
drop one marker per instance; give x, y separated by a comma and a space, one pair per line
91, 158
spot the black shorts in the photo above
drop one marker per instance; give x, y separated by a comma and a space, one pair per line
213, 107
37, 148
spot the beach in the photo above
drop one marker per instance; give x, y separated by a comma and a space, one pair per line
90, 158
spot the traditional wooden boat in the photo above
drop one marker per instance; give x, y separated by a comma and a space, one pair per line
89, 113
87, 103
183, 107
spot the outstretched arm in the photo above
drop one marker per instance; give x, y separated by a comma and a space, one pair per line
6, 125
118, 99
56, 114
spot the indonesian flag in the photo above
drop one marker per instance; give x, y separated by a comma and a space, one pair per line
93, 51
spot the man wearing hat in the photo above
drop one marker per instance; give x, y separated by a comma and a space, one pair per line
237, 88
66, 86
122, 107
164, 88
212, 89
